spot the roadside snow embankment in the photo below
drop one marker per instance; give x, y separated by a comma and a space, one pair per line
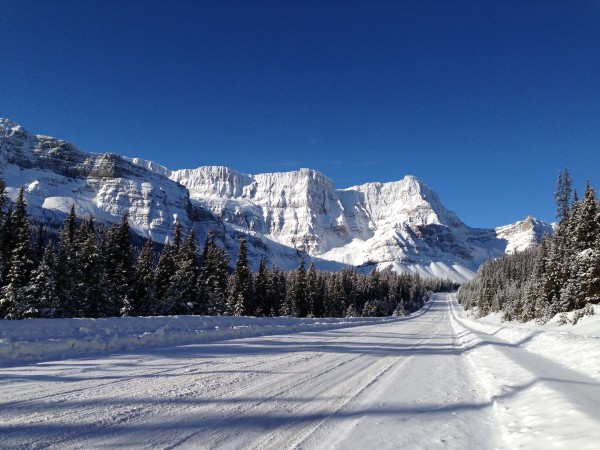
574, 346
45, 339
543, 383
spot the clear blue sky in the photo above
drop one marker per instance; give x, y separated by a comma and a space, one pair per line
483, 101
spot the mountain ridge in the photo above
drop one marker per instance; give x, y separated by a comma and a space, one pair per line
400, 225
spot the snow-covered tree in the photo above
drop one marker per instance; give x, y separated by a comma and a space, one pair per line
144, 291
239, 300
13, 296
180, 296
42, 293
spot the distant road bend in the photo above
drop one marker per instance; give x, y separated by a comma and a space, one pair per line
412, 383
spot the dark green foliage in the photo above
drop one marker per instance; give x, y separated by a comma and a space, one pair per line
13, 297
119, 262
42, 295
180, 296
561, 275
213, 279
239, 300
144, 291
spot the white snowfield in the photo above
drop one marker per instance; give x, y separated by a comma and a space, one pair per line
435, 380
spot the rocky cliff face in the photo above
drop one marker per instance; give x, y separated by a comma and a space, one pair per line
400, 225
56, 175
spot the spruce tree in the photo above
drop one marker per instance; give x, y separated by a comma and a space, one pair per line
587, 227
315, 291
67, 268
180, 297
262, 290
42, 293
13, 297
240, 292
119, 261
91, 292
6, 244
213, 279
300, 290
562, 195
165, 269
144, 292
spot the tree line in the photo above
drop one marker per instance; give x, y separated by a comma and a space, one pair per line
95, 271
560, 275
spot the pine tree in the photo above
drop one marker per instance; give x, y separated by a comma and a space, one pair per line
177, 232
213, 280
300, 290
587, 227
91, 292
119, 261
279, 288
240, 292
165, 269
262, 290
13, 297
67, 268
180, 297
335, 297
144, 291
296, 299
42, 293
315, 291
562, 195
6, 244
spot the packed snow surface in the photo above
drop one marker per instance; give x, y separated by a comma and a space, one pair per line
434, 380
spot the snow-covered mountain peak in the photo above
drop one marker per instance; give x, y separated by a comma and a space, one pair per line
523, 234
7, 125
405, 201
400, 224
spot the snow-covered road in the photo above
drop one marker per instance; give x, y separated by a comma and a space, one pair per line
432, 381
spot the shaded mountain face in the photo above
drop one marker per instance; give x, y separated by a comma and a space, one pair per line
400, 225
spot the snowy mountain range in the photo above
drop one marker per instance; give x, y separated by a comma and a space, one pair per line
400, 225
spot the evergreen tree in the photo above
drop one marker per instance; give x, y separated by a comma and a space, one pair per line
3, 199
315, 289
91, 292
42, 293
119, 260
334, 304
13, 297
180, 297
240, 293
300, 290
6, 244
279, 283
263, 290
165, 270
213, 280
67, 268
296, 299
144, 291
562, 195
587, 227
177, 232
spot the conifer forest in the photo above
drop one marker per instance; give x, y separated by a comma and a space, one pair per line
560, 275
92, 271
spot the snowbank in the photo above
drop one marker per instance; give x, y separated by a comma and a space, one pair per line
45, 339
574, 346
